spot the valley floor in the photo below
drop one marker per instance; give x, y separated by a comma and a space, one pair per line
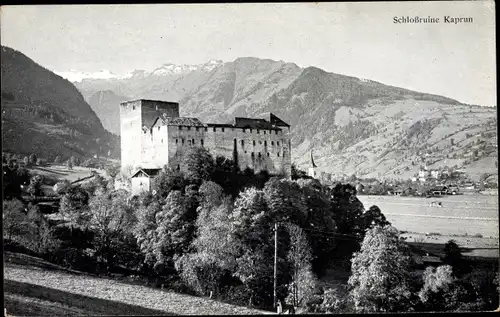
35, 287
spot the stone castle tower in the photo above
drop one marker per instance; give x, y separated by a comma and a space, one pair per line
153, 135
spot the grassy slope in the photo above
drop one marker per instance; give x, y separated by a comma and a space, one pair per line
35, 287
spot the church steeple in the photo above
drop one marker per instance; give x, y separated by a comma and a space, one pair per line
312, 160
312, 168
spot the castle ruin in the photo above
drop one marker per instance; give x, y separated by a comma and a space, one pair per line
153, 135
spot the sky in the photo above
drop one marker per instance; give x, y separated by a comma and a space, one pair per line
357, 39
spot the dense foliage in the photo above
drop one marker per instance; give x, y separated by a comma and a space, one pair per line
210, 232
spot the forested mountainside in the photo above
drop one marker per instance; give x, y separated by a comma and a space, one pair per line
353, 125
45, 114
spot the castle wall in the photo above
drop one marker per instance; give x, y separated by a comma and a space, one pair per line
130, 133
181, 138
259, 149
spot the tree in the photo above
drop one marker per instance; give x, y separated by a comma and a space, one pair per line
13, 218
375, 287
167, 180
197, 164
112, 171
73, 206
437, 283
110, 219
298, 173
453, 256
32, 159
251, 227
172, 230
374, 217
35, 186
320, 219
210, 268
348, 210
69, 164
285, 201
39, 238
145, 229
74, 161
62, 187
304, 282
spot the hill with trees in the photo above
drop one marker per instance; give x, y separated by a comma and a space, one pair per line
45, 114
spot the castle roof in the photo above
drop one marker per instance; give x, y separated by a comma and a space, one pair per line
148, 172
251, 123
185, 121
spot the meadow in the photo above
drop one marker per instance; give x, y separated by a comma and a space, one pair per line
34, 287
460, 215
470, 220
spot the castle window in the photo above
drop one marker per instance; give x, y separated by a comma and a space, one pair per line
260, 142
215, 129
158, 128
278, 143
264, 132
250, 130
244, 130
259, 154
197, 129
193, 142
242, 142
201, 142
276, 131
176, 141
182, 141
189, 128
253, 142
133, 107
267, 153
265, 143
180, 128
278, 154
253, 154
206, 129
222, 129
258, 131
272, 143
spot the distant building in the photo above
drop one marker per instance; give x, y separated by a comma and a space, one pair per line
423, 173
435, 174
143, 179
312, 168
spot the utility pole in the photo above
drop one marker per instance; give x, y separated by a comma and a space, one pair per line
275, 261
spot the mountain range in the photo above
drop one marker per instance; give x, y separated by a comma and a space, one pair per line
352, 125
45, 114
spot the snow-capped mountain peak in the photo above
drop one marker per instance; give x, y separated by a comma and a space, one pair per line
173, 69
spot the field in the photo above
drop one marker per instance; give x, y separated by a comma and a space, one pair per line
61, 172
471, 220
35, 287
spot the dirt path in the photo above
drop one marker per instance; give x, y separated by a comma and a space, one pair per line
63, 293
